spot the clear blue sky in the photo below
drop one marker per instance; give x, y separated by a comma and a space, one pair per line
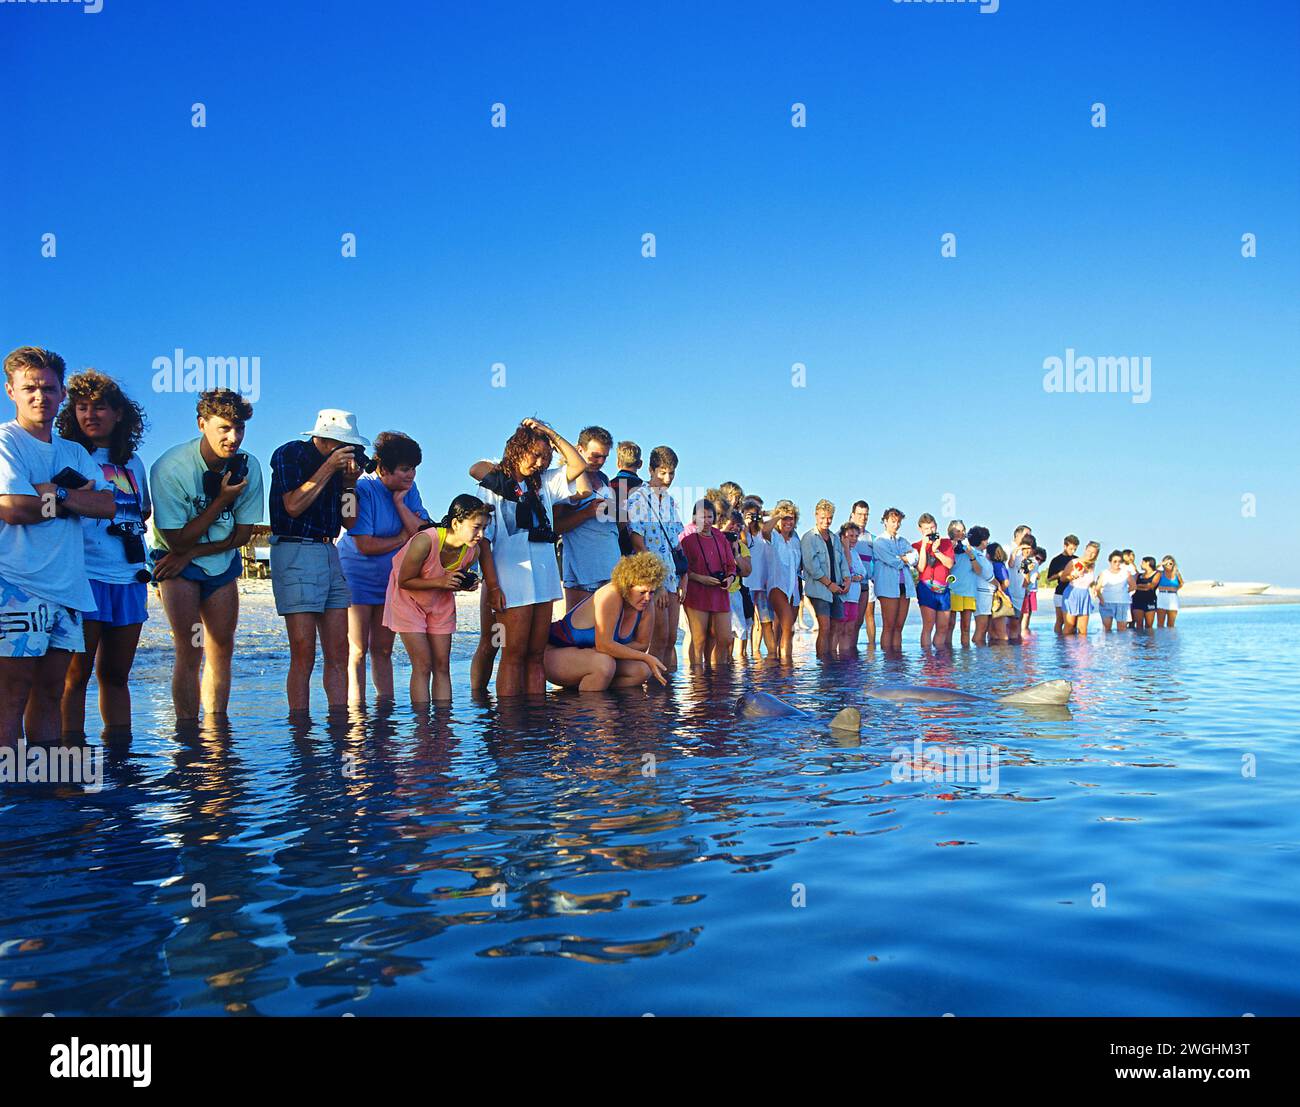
775, 245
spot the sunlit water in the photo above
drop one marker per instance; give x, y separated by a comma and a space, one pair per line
647, 852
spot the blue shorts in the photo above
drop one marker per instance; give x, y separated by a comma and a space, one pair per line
207, 584
1115, 611
119, 605
828, 609
928, 597
1079, 601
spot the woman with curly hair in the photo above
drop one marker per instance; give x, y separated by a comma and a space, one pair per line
520, 573
604, 642
100, 417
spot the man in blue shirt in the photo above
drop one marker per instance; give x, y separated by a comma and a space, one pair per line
207, 497
313, 496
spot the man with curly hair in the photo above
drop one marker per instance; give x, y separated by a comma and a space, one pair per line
47, 485
207, 497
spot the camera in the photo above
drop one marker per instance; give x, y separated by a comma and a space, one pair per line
236, 466
959, 546
720, 577
1029, 566
364, 461
542, 534
132, 537
468, 580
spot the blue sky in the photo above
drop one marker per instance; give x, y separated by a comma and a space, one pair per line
775, 245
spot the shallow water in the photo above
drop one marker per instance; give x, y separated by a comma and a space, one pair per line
537, 861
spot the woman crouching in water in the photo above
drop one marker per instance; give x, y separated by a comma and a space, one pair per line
420, 604
604, 642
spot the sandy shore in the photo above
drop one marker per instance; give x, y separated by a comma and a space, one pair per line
1195, 593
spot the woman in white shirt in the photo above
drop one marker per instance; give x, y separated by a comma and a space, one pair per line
1117, 588
520, 572
785, 561
100, 417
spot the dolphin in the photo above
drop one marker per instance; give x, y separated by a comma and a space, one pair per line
1045, 693
764, 705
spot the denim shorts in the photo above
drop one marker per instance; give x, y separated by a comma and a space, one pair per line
1115, 611
828, 609
307, 577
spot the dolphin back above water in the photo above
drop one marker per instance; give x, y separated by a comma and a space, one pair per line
764, 705
1047, 692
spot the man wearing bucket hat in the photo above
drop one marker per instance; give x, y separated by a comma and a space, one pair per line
313, 494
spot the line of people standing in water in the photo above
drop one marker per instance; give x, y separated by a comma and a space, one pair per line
357, 561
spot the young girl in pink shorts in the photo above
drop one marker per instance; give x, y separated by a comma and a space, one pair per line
420, 604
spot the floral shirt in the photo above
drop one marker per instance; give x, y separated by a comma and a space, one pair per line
652, 513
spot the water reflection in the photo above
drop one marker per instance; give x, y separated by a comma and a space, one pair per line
457, 859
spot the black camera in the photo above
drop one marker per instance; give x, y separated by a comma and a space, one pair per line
959, 547
364, 461
720, 577
132, 536
542, 534
468, 580
1029, 566
236, 466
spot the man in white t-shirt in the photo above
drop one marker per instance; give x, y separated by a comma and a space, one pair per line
47, 484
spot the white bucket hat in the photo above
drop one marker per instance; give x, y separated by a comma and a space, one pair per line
338, 426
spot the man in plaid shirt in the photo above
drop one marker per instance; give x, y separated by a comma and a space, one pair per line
313, 495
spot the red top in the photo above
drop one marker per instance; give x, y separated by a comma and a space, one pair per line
938, 573
706, 555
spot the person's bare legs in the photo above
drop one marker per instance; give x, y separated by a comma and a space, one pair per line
539, 631
332, 624
583, 669
720, 636
382, 641
16, 676
113, 661
824, 632
943, 629
629, 674
927, 625
73, 707
966, 617
42, 718
1060, 621
663, 643
783, 616
419, 649
698, 621
869, 621
512, 669
300, 626
180, 600
359, 624
220, 615
489, 643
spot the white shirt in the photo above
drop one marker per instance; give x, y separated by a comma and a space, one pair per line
45, 559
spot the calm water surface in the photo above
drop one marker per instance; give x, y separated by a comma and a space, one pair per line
644, 852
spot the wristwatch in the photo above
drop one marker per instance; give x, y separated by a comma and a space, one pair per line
60, 495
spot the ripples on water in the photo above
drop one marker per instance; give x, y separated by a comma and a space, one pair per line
642, 851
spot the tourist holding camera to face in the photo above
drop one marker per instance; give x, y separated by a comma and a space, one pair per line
521, 577
109, 425
313, 496
207, 497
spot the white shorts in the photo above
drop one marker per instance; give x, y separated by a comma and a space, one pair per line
740, 626
1058, 600
31, 626
983, 603
1166, 601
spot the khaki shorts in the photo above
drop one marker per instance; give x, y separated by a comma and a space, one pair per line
307, 577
